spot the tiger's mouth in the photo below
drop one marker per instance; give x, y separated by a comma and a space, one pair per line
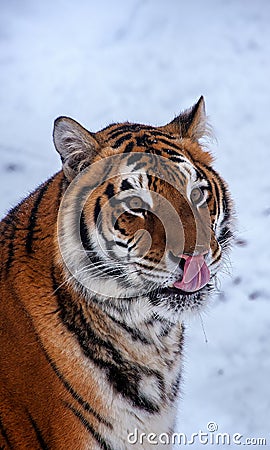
195, 274
195, 277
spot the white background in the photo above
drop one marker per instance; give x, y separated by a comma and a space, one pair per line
104, 61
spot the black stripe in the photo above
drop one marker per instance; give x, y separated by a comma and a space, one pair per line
135, 128
142, 141
217, 202
152, 182
126, 185
174, 156
151, 259
97, 436
4, 434
161, 134
135, 334
155, 182
170, 144
121, 244
135, 158
109, 191
121, 140
116, 132
33, 216
139, 166
97, 210
84, 233
129, 147
132, 246
126, 128
149, 139
145, 266
38, 433
118, 228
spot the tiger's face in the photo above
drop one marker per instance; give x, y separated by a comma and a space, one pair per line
145, 221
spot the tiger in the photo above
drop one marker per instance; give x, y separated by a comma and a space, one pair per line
100, 266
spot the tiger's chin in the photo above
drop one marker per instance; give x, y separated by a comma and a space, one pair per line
178, 301
174, 292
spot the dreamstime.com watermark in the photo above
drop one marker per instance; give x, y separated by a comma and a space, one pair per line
209, 437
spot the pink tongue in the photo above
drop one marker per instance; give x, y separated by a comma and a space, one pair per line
196, 274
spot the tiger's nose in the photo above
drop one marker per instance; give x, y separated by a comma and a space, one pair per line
199, 250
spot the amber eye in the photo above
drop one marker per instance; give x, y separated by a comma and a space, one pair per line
196, 196
134, 203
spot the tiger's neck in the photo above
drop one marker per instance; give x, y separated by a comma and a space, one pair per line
142, 363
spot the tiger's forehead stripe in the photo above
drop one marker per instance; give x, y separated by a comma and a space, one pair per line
143, 135
115, 130
153, 141
121, 140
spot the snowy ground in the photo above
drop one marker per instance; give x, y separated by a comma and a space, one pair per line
144, 61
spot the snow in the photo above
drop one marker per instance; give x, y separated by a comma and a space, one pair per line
100, 62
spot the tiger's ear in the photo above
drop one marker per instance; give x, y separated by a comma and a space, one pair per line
75, 144
190, 123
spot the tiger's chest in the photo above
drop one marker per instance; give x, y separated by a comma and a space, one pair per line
140, 425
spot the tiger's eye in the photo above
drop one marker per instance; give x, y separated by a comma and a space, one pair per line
135, 203
196, 196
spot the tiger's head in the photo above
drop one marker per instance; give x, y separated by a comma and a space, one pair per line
145, 221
